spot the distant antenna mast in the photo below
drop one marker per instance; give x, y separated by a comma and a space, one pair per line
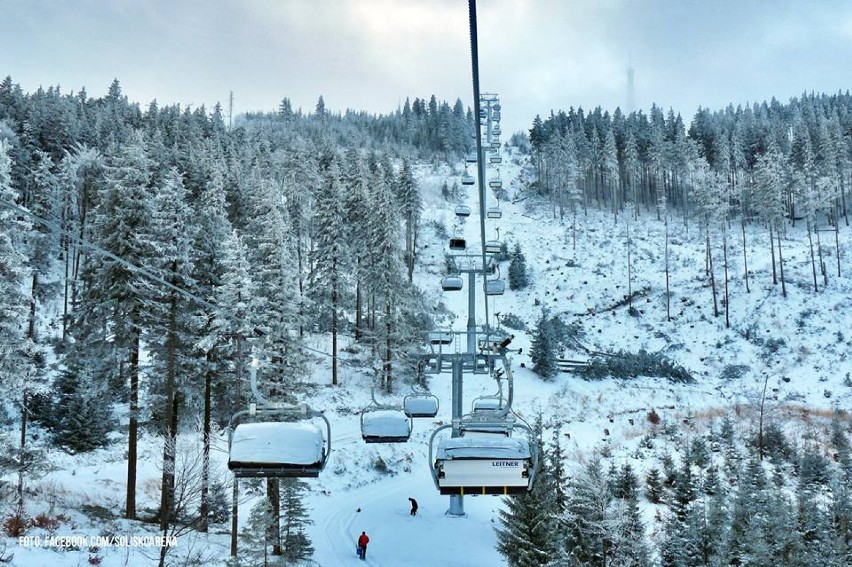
631, 88
230, 110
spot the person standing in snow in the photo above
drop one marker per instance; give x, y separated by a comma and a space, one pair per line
362, 545
413, 506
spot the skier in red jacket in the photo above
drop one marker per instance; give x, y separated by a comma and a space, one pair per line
362, 545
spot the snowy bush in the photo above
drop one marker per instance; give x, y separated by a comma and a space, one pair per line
630, 365
734, 371
512, 321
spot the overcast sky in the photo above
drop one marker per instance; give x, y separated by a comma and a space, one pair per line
537, 55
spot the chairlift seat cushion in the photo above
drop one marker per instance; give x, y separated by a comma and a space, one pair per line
275, 446
483, 448
385, 426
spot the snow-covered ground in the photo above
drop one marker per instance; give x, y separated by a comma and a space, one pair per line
805, 363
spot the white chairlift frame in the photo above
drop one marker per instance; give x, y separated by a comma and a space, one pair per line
269, 436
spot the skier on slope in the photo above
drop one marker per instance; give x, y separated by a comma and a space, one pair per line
362, 545
413, 506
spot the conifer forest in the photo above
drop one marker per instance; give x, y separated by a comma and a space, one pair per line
149, 253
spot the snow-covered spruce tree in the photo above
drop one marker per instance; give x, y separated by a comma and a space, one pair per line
526, 536
408, 195
386, 270
295, 542
78, 423
233, 326
356, 195
585, 516
16, 344
169, 323
518, 277
681, 545
269, 248
109, 317
330, 254
543, 348
297, 167
769, 176
209, 267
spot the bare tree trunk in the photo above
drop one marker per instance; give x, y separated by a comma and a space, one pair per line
727, 297
133, 428
712, 276
781, 266
745, 257
822, 267
837, 243
274, 495
334, 328
388, 346
235, 499
24, 415
204, 508
668, 291
169, 448
772, 252
813, 260
358, 306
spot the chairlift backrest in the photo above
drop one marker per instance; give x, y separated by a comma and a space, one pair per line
466, 465
462, 211
494, 212
458, 244
451, 283
493, 246
467, 179
471, 158
420, 405
495, 287
440, 338
495, 159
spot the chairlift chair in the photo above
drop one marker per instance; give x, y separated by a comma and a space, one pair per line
495, 143
482, 465
452, 283
471, 158
440, 338
483, 113
278, 449
495, 183
493, 246
380, 425
496, 107
458, 244
494, 212
495, 287
495, 159
420, 404
462, 211
495, 116
467, 179
496, 130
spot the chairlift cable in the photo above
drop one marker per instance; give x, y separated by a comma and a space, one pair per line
474, 55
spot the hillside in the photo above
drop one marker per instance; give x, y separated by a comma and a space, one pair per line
793, 348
